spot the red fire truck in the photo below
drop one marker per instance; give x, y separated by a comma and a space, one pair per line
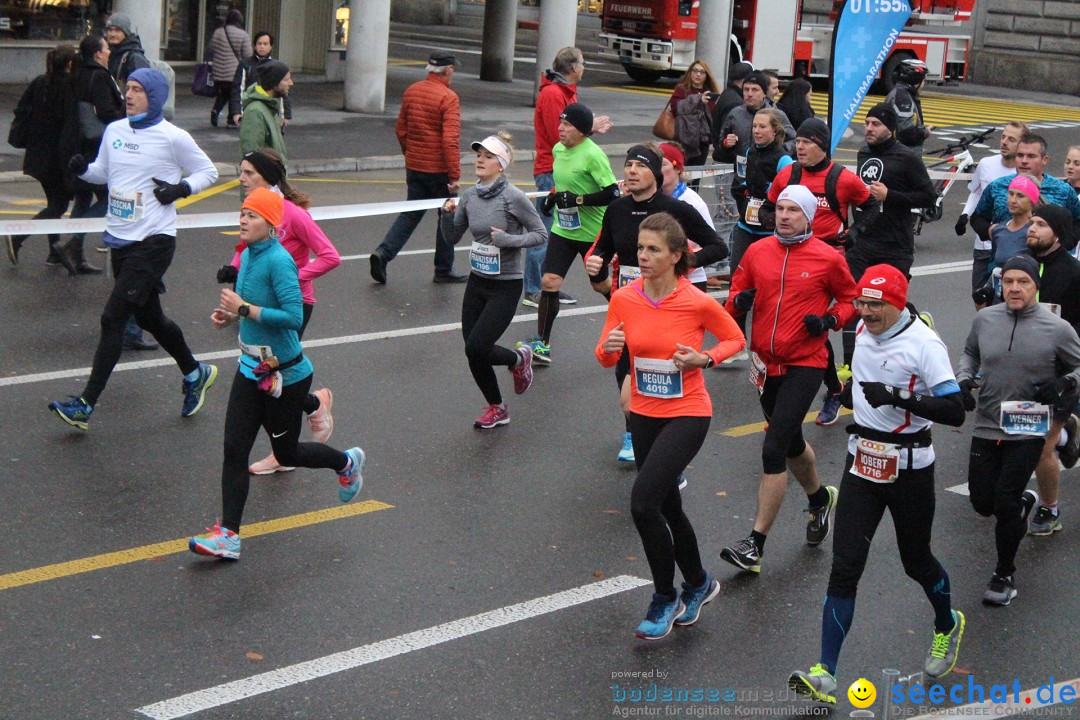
654, 38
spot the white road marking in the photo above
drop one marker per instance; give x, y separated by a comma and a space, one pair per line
1027, 701
961, 489
368, 337
366, 654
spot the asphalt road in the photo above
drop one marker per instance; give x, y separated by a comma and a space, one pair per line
462, 529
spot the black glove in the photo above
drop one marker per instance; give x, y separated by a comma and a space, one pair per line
984, 295
548, 204
1048, 392
878, 394
966, 386
167, 193
565, 199
818, 324
77, 165
226, 274
744, 301
961, 224
843, 240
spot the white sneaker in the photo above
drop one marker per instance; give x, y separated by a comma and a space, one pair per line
268, 466
321, 421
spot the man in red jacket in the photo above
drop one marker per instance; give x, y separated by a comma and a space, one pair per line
429, 131
558, 88
789, 280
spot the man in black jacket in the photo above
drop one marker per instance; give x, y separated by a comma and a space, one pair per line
1059, 287
898, 179
96, 87
729, 99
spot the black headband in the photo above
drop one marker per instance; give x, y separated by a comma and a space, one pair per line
272, 171
650, 158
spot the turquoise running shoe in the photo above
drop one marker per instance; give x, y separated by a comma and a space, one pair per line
216, 542
352, 481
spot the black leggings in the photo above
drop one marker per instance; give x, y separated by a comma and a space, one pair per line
663, 447
151, 318
249, 409
224, 92
910, 501
785, 401
57, 199
486, 311
998, 473
311, 403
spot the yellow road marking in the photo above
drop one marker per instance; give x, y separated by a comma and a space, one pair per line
754, 428
34, 201
228, 185
17, 212
171, 547
230, 232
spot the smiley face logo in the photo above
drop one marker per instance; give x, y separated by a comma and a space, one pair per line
862, 693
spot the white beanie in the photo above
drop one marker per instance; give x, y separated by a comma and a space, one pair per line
802, 197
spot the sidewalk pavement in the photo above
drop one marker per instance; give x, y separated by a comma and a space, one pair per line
325, 138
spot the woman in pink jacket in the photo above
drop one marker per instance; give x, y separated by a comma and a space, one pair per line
303, 238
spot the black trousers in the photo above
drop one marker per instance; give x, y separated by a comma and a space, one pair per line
486, 311
250, 409
785, 401
139, 269
860, 507
57, 199
998, 473
663, 447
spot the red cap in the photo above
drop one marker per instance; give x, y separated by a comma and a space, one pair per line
883, 282
675, 155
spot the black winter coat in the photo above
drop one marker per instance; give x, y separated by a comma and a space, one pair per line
53, 122
94, 85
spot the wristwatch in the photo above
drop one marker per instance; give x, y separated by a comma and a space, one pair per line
244, 310
709, 363
902, 393
580, 200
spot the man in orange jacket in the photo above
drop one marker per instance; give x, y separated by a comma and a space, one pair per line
429, 131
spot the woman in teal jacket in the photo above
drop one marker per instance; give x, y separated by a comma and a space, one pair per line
273, 378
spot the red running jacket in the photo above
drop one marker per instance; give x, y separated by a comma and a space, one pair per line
792, 281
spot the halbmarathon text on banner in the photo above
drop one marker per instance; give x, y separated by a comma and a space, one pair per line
865, 33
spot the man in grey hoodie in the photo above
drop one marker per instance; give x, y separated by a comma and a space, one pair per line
1029, 358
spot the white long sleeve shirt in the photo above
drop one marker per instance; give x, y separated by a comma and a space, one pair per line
127, 161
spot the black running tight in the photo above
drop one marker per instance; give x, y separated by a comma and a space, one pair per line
486, 311
663, 447
250, 409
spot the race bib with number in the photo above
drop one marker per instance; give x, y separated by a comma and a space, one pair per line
740, 166
485, 259
568, 218
752, 210
628, 275
1024, 417
126, 206
757, 372
658, 378
263, 352
876, 461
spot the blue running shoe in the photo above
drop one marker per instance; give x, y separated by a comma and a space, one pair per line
541, 351
216, 542
74, 412
195, 391
830, 409
626, 454
695, 598
352, 481
660, 617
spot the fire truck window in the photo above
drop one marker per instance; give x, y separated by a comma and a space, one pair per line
685, 6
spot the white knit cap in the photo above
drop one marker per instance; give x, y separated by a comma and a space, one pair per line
802, 197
